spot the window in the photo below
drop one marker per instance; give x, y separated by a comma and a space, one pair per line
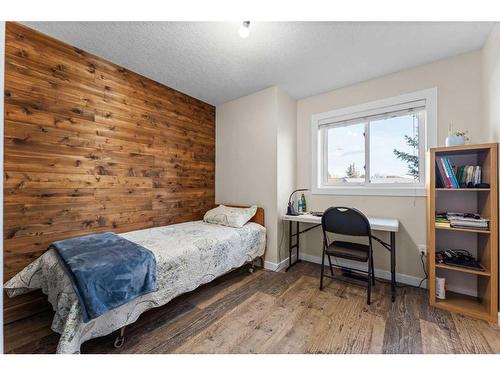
376, 148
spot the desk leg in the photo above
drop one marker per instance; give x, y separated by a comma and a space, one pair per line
393, 266
298, 239
290, 247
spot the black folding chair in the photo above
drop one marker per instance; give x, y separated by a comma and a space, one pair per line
351, 222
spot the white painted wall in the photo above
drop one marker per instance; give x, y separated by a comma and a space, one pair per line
248, 168
2, 58
286, 159
245, 156
458, 81
491, 84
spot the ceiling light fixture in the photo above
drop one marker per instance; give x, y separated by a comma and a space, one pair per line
244, 30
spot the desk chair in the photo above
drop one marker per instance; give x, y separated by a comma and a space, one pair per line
351, 222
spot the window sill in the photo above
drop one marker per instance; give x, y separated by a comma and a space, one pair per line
400, 191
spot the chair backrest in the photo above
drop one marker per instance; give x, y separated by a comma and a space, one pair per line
345, 220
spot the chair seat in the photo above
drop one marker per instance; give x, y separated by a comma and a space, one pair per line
348, 250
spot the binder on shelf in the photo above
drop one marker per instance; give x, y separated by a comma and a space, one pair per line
441, 175
450, 172
447, 172
460, 176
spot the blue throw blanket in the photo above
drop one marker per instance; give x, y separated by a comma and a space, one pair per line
107, 271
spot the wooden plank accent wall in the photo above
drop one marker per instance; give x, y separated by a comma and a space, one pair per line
93, 147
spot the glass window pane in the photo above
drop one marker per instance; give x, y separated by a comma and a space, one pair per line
346, 155
394, 151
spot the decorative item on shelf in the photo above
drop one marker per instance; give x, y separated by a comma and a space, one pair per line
291, 209
440, 287
455, 138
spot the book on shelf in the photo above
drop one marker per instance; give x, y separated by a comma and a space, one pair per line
461, 220
442, 221
453, 177
442, 225
442, 177
449, 168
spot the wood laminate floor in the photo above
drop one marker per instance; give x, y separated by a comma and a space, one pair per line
269, 312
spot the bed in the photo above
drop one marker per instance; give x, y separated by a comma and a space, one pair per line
187, 255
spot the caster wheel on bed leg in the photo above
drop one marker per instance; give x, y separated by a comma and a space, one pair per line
119, 342
251, 270
120, 339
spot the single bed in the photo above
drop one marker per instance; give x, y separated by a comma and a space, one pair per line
187, 256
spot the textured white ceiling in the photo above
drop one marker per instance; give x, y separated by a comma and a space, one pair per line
208, 60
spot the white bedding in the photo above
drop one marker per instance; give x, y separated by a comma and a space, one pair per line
187, 256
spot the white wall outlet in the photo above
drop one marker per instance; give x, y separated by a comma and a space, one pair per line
422, 250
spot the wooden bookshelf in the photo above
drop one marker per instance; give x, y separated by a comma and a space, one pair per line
483, 243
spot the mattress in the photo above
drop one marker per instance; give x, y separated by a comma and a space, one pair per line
187, 256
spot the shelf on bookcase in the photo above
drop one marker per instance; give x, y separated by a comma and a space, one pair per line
463, 229
465, 149
462, 303
463, 189
463, 269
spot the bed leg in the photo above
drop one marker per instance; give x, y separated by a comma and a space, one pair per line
120, 339
252, 265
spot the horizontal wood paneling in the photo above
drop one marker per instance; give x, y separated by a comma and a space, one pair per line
91, 147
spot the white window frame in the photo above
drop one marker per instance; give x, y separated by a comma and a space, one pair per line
429, 136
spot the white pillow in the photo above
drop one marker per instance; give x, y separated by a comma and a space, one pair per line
230, 216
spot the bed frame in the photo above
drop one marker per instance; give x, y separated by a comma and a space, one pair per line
258, 218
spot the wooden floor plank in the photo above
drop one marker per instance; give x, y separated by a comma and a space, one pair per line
25, 331
352, 328
173, 336
471, 335
434, 339
282, 318
402, 330
209, 294
278, 312
491, 333
145, 329
227, 332
311, 323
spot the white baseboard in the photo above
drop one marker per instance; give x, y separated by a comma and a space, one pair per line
272, 266
382, 274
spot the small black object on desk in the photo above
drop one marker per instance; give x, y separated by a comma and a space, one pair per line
291, 210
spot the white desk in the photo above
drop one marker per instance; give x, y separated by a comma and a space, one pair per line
376, 223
